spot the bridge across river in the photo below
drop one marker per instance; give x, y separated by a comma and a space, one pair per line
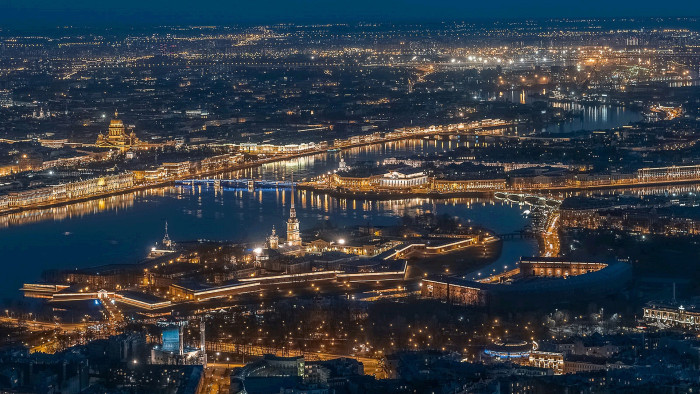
517, 235
529, 199
237, 183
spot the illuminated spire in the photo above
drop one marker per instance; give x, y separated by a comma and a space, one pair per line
293, 236
167, 243
292, 210
116, 114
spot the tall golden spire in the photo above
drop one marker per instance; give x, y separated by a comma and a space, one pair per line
293, 235
292, 210
116, 114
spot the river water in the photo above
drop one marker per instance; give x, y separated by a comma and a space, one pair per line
590, 118
122, 229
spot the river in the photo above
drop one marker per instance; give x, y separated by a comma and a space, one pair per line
122, 229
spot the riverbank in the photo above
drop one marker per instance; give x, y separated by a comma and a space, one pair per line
398, 194
394, 195
366, 140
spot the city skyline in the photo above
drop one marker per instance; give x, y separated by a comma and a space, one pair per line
404, 206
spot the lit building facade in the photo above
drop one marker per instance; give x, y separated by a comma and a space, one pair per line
117, 137
547, 360
669, 173
672, 315
550, 267
453, 292
67, 191
273, 241
516, 290
403, 179
441, 185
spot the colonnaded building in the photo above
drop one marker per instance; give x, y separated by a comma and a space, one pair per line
673, 315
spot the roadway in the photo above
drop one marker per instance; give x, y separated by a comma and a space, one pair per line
216, 378
36, 325
217, 374
550, 237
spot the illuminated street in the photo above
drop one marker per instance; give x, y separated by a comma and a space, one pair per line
348, 198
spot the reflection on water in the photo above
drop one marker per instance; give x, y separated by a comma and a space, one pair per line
69, 211
303, 167
667, 190
309, 166
124, 232
593, 117
512, 251
589, 117
121, 229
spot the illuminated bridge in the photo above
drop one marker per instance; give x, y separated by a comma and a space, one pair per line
523, 234
529, 199
237, 183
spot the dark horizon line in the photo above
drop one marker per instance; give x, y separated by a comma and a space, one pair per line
44, 24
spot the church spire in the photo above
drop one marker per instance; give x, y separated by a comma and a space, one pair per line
292, 210
293, 235
167, 243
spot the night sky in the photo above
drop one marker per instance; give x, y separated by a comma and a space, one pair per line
17, 13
